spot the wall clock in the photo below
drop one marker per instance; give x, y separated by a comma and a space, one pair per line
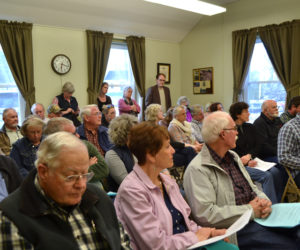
61, 64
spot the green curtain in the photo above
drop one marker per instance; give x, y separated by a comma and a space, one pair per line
16, 42
136, 50
98, 46
243, 42
282, 43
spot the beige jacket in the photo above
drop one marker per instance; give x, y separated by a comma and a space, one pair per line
210, 193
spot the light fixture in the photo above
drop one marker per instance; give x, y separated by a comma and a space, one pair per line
196, 6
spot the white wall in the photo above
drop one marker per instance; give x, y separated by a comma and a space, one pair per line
210, 42
49, 41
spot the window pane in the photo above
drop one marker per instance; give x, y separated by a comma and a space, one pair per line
10, 96
118, 73
262, 83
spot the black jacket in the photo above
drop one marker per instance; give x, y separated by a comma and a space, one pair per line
267, 131
28, 210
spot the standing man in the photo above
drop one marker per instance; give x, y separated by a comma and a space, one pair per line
293, 109
268, 125
10, 132
92, 130
55, 208
39, 110
159, 93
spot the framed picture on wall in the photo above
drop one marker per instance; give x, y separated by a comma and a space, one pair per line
203, 80
165, 68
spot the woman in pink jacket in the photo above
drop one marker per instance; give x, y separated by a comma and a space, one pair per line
149, 203
127, 105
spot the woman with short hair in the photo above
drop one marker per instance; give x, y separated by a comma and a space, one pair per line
24, 150
184, 101
149, 203
128, 105
108, 114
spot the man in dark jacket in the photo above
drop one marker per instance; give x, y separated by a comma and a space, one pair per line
56, 208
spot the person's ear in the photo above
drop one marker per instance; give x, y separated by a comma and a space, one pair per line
222, 134
43, 171
150, 158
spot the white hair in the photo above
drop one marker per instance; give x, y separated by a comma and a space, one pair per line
33, 107
195, 109
213, 124
182, 99
177, 110
54, 145
87, 110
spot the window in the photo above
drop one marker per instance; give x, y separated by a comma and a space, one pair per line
119, 73
262, 82
10, 97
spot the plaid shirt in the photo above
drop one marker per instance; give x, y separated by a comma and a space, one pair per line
84, 232
92, 137
242, 190
289, 145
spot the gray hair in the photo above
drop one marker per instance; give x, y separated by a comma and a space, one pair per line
152, 111
195, 109
5, 111
119, 128
33, 107
177, 109
68, 87
125, 90
265, 105
182, 99
57, 124
213, 124
54, 145
87, 110
31, 120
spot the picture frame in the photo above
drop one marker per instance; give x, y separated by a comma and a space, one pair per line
203, 80
165, 68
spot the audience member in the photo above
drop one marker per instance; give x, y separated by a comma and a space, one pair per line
108, 114
54, 111
167, 119
128, 105
289, 147
159, 93
267, 126
184, 101
181, 131
39, 110
207, 109
10, 179
196, 123
103, 99
68, 103
153, 113
216, 106
24, 150
97, 163
293, 109
10, 131
219, 189
91, 129
149, 203
119, 159
248, 147
56, 208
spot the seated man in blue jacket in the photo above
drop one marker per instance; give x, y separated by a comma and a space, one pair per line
55, 208
92, 130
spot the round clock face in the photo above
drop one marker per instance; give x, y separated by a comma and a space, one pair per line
61, 64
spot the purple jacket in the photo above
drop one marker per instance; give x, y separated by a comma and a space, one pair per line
125, 108
141, 208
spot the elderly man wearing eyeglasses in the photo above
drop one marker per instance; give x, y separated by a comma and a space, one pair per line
55, 207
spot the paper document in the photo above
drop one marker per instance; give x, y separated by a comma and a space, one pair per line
236, 226
283, 215
263, 165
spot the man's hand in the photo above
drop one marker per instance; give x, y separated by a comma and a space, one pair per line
245, 159
266, 208
256, 207
252, 163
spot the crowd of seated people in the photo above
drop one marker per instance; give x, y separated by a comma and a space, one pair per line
67, 162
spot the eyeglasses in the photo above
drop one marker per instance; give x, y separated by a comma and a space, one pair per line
97, 113
71, 179
234, 128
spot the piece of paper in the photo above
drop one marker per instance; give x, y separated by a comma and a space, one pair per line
283, 215
236, 226
263, 165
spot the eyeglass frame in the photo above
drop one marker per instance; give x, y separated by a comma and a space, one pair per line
234, 128
68, 179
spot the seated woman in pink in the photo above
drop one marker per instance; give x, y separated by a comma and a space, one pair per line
149, 203
127, 105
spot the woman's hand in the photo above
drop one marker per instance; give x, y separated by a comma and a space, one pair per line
203, 233
93, 160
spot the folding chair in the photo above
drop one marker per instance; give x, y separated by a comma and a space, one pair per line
291, 190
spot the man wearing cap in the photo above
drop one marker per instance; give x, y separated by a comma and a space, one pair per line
54, 111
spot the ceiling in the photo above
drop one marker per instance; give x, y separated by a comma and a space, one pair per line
121, 17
